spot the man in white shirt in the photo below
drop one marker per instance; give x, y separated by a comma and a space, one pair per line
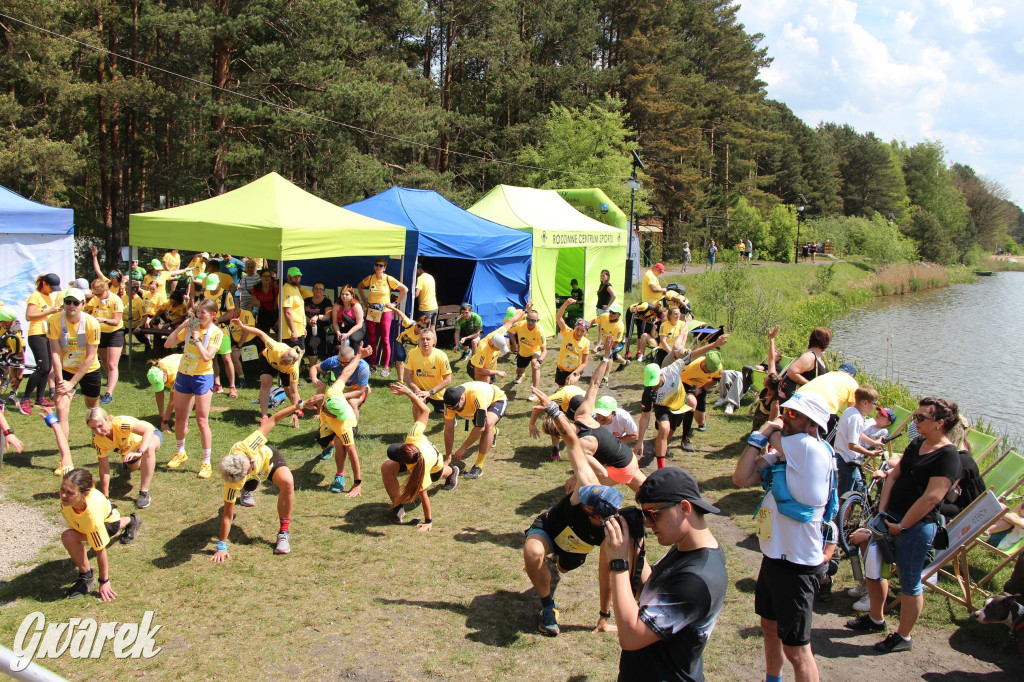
789, 528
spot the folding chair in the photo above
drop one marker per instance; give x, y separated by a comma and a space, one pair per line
903, 421
981, 443
1005, 474
757, 380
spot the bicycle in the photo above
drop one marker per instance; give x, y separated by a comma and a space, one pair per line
858, 505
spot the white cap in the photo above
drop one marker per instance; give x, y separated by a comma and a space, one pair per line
812, 405
500, 342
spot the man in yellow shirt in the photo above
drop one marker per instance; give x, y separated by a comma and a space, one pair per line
247, 463
532, 349
483, 365
74, 342
294, 310
698, 377
428, 371
839, 389
610, 324
426, 295
485, 405
651, 290
575, 349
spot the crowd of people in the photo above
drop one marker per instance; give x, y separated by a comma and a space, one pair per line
813, 429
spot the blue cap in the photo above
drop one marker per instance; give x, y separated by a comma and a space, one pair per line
604, 499
848, 368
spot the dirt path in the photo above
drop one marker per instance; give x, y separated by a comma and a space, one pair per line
25, 531
938, 655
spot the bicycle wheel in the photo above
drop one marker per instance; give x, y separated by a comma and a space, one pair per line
851, 517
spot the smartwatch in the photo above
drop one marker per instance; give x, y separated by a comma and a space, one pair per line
618, 565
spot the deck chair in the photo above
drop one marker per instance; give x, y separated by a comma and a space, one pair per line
1005, 475
963, 536
903, 421
757, 380
981, 443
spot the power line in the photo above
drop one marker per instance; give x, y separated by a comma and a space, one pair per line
303, 112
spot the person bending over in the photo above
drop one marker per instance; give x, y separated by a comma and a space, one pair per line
483, 404
136, 441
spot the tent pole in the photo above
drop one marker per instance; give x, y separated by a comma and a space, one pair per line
132, 255
280, 299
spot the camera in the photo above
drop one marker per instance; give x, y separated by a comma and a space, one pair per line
634, 521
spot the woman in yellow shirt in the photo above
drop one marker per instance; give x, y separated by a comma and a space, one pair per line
195, 380
277, 360
161, 376
378, 318
74, 341
108, 310
40, 307
671, 334
135, 440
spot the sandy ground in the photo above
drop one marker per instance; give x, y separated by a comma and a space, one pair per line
25, 531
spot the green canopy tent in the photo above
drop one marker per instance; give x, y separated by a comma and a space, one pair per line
268, 218
566, 245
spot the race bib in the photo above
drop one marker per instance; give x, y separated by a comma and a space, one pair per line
74, 357
568, 541
763, 523
249, 353
373, 314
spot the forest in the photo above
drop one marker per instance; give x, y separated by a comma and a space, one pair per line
113, 108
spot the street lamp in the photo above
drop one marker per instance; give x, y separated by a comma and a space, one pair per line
799, 219
633, 183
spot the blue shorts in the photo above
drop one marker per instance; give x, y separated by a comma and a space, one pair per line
911, 552
193, 385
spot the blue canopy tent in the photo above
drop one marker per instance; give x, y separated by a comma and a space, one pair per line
34, 239
472, 259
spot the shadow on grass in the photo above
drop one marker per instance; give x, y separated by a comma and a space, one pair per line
740, 502
477, 535
363, 518
746, 585
531, 456
723, 482
45, 583
830, 643
196, 539
540, 502
988, 643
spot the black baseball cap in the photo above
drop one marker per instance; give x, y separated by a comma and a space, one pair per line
52, 279
673, 484
574, 404
453, 395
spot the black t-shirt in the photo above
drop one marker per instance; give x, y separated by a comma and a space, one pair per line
915, 472
680, 602
317, 309
604, 297
971, 486
611, 452
565, 523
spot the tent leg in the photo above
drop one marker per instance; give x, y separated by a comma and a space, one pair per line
280, 299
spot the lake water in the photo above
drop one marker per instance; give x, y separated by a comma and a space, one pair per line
962, 343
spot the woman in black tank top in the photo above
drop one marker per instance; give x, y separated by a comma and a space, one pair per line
605, 294
809, 365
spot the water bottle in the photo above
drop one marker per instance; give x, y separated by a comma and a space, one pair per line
855, 564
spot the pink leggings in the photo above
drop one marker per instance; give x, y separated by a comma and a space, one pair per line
379, 335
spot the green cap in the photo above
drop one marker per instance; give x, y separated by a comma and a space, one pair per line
510, 312
337, 407
652, 374
713, 360
75, 293
294, 272
7, 315
156, 378
212, 282
606, 406
615, 308
156, 265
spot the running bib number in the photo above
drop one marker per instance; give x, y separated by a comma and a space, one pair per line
74, 357
763, 523
568, 541
374, 313
249, 353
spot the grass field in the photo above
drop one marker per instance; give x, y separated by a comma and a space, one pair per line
359, 598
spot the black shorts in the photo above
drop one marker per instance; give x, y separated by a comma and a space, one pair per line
567, 561
663, 414
523, 363
785, 594
700, 394
268, 369
644, 328
560, 376
437, 404
399, 353
112, 526
114, 339
660, 355
498, 408
90, 384
431, 313
472, 375
277, 461
402, 468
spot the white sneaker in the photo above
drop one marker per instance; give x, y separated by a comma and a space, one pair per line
720, 402
858, 591
532, 398
862, 605
729, 409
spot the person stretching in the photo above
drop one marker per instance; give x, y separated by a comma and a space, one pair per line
485, 405
136, 441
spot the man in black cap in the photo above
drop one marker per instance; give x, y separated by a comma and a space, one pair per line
664, 635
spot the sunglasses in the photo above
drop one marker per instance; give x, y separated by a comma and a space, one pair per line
651, 515
73, 303
378, 265
791, 413
920, 418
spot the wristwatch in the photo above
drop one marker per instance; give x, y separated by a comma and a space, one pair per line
618, 565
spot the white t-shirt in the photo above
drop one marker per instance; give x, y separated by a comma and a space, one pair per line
622, 424
809, 464
849, 429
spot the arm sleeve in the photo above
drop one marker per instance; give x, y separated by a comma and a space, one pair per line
647, 399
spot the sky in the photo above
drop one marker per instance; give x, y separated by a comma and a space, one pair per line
911, 70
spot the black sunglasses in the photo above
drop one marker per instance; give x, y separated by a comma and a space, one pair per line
72, 302
379, 265
651, 515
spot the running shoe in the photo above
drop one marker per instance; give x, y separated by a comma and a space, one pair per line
178, 459
548, 621
894, 642
384, 373
858, 591
863, 623
720, 402
729, 409
240, 382
326, 453
205, 471
702, 427
687, 445
519, 379
143, 500
397, 514
247, 499
106, 398
474, 473
129, 532
862, 605
63, 471
451, 481
45, 402
532, 398
83, 586
494, 441
339, 484
625, 364
283, 546
465, 355
555, 456
25, 407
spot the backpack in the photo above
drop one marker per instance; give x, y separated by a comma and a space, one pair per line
773, 480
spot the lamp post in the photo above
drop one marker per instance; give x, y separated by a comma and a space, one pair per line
799, 219
633, 183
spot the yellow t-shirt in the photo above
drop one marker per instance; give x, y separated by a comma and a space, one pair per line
410, 334
197, 265
479, 396
672, 331
169, 364
122, 438
570, 355
223, 298
428, 372
245, 317
42, 302
172, 261
693, 375
838, 388
92, 522
293, 300
342, 428
153, 303
74, 347
380, 288
107, 309
431, 457
486, 356
255, 448
563, 395
192, 364
674, 299
138, 309
650, 279
273, 351
530, 341
175, 313
427, 300
644, 312
605, 326
226, 281
161, 278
